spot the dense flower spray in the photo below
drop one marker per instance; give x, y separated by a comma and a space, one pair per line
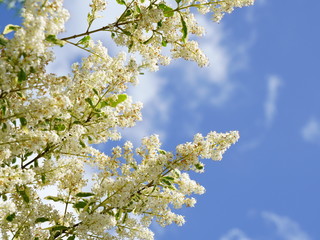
48, 123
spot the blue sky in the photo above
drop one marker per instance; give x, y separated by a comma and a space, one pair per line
263, 80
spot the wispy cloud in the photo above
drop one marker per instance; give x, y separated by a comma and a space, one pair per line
155, 107
235, 234
286, 228
311, 131
270, 107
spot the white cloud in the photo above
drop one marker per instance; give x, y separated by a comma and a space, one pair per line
270, 107
286, 228
311, 131
235, 234
155, 107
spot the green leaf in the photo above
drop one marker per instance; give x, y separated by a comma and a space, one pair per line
3, 41
168, 178
53, 39
57, 228
59, 127
122, 2
126, 32
95, 91
24, 195
43, 178
162, 152
82, 143
178, 1
121, 98
23, 121
84, 194
10, 217
80, 204
199, 166
148, 40
71, 237
55, 199
88, 100
10, 28
3, 109
84, 41
4, 127
41, 220
184, 29
167, 11
164, 42
22, 76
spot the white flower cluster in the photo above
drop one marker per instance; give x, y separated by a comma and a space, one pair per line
48, 123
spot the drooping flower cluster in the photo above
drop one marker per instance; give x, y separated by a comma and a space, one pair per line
48, 123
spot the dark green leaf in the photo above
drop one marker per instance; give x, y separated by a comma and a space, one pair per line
178, 1
23, 121
88, 100
59, 127
184, 29
22, 76
80, 204
168, 178
41, 220
199, 166
43, 178
55, 199
3, 41
3, 109
84, 194
4, 127
71, 237
10, 217
82, 143
162, 152
58, 228
95, 91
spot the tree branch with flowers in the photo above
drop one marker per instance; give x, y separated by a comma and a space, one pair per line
49, 122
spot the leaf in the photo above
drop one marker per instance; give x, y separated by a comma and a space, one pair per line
24, 195
59, 127
4, 127
167, 11
53, 39
3, 109
23, 121
164, 42
178, 1
22, 76
84, 194
88, 100
184, 30
82, 144
57, 228
71, 237
3, 41
162, 152
148, 40
121, 98
95, 91
199, 166
55, 199
41, 220
84, 41
168, 178
10, 28
122, 2
10, 217
80, 204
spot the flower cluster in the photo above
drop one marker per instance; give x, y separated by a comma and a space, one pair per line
48, 124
